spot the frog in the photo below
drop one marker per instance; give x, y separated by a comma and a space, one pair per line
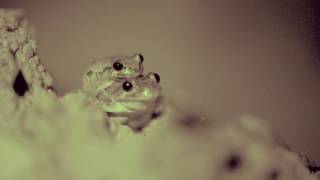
134, 102
102, 72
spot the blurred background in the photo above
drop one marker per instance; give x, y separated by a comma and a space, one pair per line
221, 58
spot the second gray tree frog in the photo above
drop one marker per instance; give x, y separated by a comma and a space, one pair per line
133, 101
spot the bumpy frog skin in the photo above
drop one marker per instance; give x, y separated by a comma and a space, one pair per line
102, 72
133, 100
119, 86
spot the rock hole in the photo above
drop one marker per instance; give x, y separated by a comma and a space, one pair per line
20, 85
274, 175
234, 162
10, 29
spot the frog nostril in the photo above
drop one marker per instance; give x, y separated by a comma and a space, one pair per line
141, 58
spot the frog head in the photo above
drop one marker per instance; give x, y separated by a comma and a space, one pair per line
118, 66
135, 99
102, 72
125, 67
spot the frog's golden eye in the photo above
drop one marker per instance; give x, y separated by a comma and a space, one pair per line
117, 66
127, 86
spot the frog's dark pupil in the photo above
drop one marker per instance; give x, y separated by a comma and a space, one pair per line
127, 86
117, 66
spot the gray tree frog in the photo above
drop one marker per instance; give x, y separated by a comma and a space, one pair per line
119, 86
102, 72
133, 101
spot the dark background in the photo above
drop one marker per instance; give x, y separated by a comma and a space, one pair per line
222, 58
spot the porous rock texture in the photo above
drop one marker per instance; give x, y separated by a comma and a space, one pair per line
20, 66
68, 138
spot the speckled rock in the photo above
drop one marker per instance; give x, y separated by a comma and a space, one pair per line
20, 66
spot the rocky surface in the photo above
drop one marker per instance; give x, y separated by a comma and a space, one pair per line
20, 66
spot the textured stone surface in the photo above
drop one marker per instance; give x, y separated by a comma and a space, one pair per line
18, 55
68, 138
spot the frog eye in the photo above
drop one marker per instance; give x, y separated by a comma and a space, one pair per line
154, 77
141, 58
127, 86
138, 58
117, 66
157, 77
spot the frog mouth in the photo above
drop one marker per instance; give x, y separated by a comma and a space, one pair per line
120, 107
135, 105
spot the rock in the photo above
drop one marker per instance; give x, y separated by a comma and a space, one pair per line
20, 66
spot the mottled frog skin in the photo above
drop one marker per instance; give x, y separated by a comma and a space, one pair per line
102, 72
123, 91
133, 101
